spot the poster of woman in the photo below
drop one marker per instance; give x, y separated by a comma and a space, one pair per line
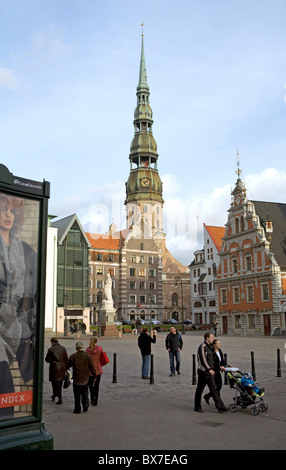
19, 219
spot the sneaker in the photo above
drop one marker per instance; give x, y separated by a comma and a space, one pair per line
171, 375
178, 372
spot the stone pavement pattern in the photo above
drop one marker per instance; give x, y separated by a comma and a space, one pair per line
135, 415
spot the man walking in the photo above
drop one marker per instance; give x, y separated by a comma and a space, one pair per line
57, 359
144, 343
174, 344
83, 367
206, 374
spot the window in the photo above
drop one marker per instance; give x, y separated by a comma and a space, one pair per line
150, 260
235, 265
152, 272
210, 286
265, 291
195, 287
249, 292
142, 272
223, 296
142, 285
132, 271
142, 259
132, 299
236, 296
99, 284
174, 300
132, 285
110, 257
99, 257
195, 273
111, 271
99, 270
248, 262
142, 299
133, 259
152, 286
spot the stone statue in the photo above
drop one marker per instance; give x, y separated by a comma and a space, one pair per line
107, 289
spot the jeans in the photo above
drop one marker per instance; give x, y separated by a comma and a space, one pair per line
146, 365
172, 356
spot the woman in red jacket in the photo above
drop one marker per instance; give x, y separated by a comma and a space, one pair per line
95, 351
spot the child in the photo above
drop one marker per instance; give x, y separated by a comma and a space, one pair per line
247, 381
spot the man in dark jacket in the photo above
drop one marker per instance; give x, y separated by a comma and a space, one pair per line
206, 374
144, 343
57, 358
174, 344
83, 367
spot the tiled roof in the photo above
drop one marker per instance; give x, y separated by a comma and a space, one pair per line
216, 234
107, 241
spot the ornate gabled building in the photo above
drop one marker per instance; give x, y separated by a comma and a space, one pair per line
202, 272
251, 276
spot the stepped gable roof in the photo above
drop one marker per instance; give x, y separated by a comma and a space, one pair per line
216, 234
274, 212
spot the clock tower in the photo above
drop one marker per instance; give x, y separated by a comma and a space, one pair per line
144, 201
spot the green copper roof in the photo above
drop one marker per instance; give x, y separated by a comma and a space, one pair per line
142, 73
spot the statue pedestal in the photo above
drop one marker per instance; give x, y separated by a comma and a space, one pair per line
108, 313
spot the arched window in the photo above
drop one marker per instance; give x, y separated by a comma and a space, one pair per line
174, 300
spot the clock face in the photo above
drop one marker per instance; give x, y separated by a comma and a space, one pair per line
145, 182
237, 200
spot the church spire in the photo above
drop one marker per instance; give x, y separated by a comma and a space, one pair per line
144, 186
142, 84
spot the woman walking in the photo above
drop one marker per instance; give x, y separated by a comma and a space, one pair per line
95, 352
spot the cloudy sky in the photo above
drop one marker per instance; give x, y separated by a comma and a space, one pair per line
217, 73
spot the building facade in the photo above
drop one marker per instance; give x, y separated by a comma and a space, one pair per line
72, 274
251, 276
202, 274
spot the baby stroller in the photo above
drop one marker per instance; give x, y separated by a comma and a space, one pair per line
245, 396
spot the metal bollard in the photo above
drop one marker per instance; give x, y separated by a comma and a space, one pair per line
114, 380
278, 363
226, 381
152, 369
253, 366
194, 378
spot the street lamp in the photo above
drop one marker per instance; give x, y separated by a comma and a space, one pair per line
179, 279
99, 298
66, 330
150, 302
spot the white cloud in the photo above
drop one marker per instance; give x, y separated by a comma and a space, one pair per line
7, 79
50, 44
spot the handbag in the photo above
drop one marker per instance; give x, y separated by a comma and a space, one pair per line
68, 379
103, 358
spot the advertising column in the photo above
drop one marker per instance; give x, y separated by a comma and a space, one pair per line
23, 233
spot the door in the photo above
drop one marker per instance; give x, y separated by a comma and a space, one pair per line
267, 325
224, 325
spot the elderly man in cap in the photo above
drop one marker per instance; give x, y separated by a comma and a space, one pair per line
83, 368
